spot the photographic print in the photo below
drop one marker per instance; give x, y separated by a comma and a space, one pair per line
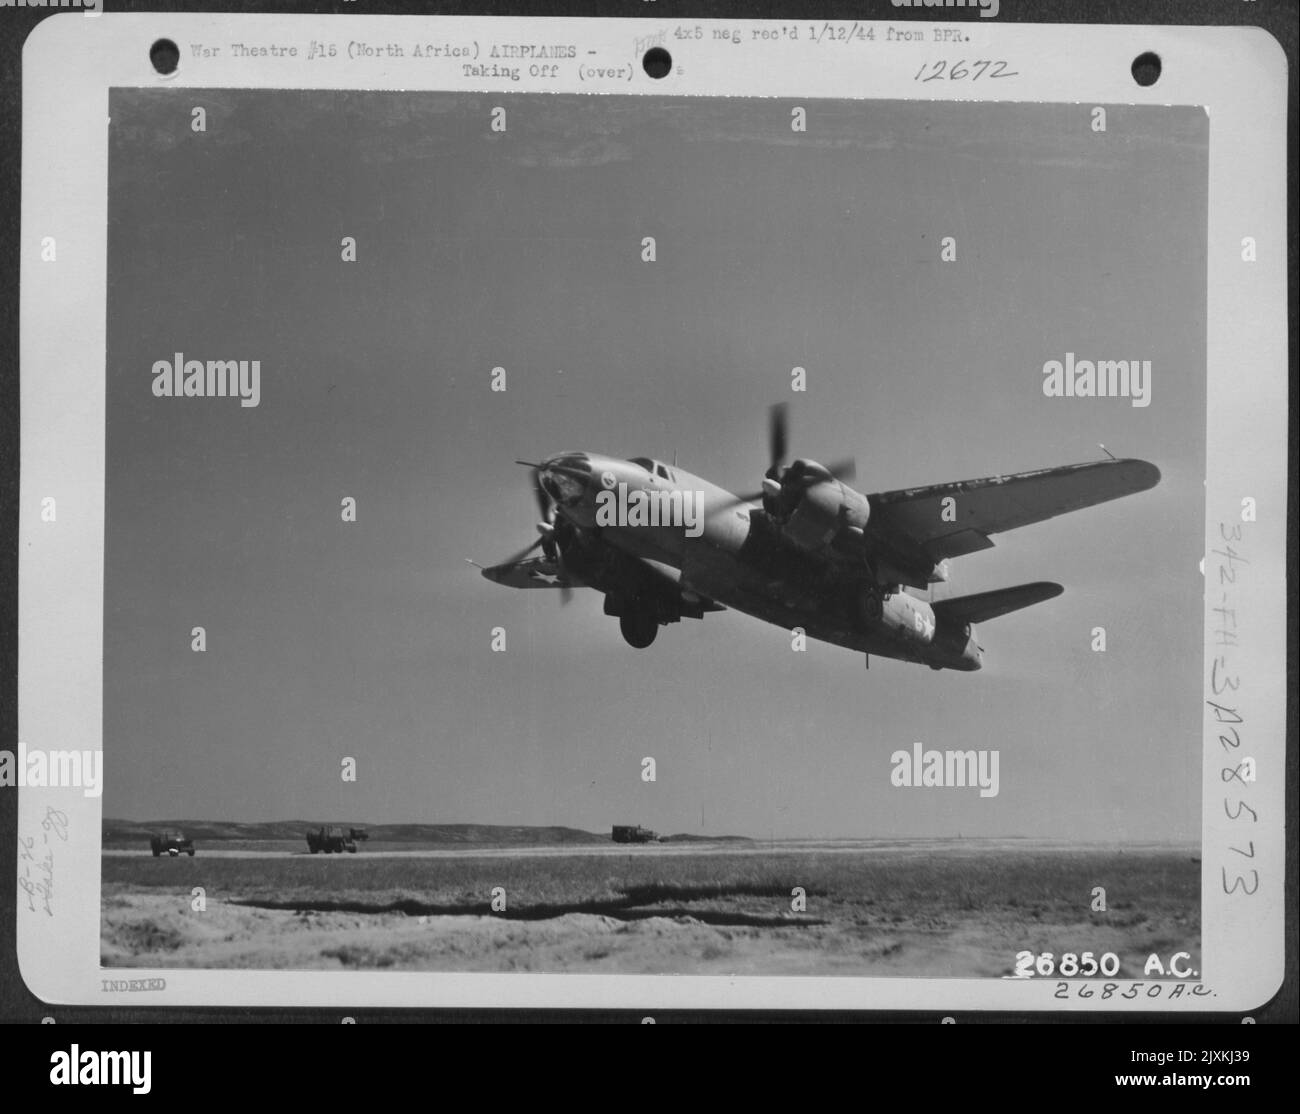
653, 516
548, 533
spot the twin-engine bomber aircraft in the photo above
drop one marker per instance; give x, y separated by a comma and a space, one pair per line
661, 544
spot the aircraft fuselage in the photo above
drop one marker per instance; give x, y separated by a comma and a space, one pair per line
733, 553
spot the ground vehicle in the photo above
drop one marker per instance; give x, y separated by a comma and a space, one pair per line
173, 842
633, 833
334, 840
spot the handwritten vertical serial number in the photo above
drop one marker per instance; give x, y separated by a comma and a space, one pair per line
36, 860
1238, 878
961, 70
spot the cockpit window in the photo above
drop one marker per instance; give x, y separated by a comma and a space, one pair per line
645, 462
662, 471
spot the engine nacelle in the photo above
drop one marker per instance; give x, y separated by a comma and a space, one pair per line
953, 639
824, 510
955, 646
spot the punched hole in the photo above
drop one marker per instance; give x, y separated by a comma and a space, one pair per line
657, 62
165, 56
1146, 69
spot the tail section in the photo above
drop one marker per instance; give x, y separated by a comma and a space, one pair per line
982, 606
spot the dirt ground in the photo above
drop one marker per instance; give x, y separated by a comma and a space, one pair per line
867, 909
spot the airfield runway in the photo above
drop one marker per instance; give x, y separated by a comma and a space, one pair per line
686, 848
792, 907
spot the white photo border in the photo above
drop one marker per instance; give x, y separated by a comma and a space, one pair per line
1238, 75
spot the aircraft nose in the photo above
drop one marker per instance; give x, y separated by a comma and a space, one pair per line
572, 462
566, 477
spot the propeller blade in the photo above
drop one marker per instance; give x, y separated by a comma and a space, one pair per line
777, 443
544, 506
524, 552
556, 554
777, 435
735, 501
546, 529
843, 469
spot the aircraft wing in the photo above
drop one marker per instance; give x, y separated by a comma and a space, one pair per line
536, 572
913, 519
670, 579
639, 574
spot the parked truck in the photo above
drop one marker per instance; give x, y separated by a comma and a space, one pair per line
334, 840
634, 833
172, 842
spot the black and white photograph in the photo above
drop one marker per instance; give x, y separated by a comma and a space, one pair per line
557, 534
655, 517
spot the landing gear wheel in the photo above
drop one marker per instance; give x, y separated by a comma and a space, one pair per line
638, 629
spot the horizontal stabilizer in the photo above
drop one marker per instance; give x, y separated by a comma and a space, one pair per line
983, 606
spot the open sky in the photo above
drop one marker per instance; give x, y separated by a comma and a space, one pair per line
523, 250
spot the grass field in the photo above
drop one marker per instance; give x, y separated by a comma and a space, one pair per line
900, 910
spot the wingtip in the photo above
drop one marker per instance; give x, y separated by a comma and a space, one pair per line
1042, 590
1142, 473
483, 571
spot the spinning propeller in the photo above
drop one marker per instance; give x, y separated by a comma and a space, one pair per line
782, 487
546, 529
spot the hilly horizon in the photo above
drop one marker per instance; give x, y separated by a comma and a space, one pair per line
121, 831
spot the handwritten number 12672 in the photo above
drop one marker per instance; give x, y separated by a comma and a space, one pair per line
961, 70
